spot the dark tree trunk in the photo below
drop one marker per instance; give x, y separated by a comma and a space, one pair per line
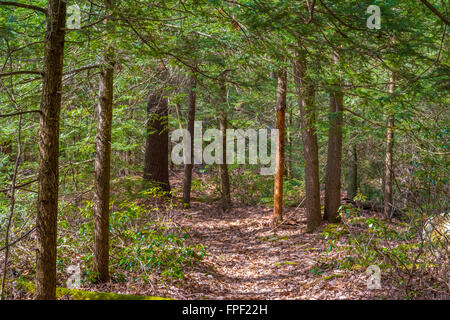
103, 170
191, 119
334, 156
306, 96
157, 145
352, 184
279, 174
388, 204
223, 168
47, 205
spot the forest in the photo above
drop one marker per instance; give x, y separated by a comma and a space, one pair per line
224, 150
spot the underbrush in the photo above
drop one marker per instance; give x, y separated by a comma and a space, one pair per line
416, 261
145, 244
143, 240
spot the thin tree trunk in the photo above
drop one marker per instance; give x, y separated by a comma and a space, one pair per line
279, 174
352, 183
156, 167
11, 208
306, 96
334, 156
289, 141
191, 120
388, 205
47, 204
223, 168
103, 166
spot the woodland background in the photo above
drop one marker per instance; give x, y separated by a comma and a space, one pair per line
85, 172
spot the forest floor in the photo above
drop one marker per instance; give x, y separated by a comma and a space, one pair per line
247, 258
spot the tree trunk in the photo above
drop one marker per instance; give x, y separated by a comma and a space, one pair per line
103, 168
352, 184
289, 141
279, 174
223, 168
157, 145
191, 119
305, 95
388, 205
334, 156
47, 205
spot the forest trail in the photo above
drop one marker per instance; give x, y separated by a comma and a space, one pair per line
248, 259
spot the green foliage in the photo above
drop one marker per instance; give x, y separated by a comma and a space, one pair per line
75, 294
142, 241
147, 244
370, 240
252, 188
362, 240
258, 189
249, 41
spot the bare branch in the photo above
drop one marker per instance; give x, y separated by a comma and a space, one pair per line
311, 11
20, 72
20, 185
88, 67
24, 5
18, 239
437, 13
18, 113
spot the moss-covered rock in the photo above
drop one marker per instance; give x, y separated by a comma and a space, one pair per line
76, 294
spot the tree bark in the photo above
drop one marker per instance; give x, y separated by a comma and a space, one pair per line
279, 174
388, 205
156, 167
334, 156
223, 168
103, 168
352, 183
47, 205
306, 96
191, 120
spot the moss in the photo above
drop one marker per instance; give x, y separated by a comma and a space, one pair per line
75, 294
330, 227
311, 249
331, 276
286, 262
335, 228
357, 267
273, 238
89, 295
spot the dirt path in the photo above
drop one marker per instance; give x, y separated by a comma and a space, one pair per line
247, 259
